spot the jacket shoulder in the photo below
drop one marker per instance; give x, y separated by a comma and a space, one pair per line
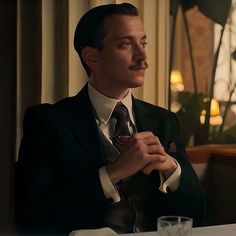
48, 113
151, 108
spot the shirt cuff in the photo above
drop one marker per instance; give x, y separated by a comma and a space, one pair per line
172, 182
109, 188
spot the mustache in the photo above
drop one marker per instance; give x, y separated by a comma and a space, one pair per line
140, 65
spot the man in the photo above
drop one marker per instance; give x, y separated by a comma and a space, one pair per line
104, 158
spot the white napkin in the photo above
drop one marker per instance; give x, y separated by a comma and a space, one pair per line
94, 232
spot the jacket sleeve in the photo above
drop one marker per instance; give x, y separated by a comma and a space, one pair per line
51, 195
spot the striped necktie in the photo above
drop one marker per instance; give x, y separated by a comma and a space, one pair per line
121, 115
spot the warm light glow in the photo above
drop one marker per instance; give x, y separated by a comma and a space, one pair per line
203, 117
207, 99
215, 109
176, 81
215, 118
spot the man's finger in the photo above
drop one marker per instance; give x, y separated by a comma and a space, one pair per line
143, 135
149, 168
156, 162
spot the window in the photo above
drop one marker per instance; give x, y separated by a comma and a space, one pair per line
204, 98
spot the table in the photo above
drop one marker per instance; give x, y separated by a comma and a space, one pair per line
216, 230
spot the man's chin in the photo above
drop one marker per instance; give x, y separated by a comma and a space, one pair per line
137, 82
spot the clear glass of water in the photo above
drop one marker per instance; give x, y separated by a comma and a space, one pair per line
174, 226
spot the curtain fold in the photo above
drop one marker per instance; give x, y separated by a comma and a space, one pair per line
29, 59
54, 77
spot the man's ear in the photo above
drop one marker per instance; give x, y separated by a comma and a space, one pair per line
90, 56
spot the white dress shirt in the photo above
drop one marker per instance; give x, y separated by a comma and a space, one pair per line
104, 107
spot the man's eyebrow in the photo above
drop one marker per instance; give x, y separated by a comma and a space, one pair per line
144, 37
130, 37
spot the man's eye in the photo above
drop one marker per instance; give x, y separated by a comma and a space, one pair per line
144, 44
125, 44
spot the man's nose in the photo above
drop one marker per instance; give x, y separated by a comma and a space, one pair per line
139, 52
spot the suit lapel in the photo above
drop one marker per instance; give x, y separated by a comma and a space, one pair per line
145, 119
83, 125
149, 118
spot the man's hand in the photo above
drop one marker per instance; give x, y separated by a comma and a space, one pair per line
142, 151
167, 167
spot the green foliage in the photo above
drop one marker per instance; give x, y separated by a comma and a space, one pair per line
189, 114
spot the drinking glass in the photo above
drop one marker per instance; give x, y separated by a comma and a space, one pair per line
174, 226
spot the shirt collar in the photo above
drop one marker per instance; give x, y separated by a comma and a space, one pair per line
104, 106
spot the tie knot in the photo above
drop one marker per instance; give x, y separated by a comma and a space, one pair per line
120, 112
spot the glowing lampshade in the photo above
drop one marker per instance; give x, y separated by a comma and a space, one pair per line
176, 81
215, 109
215, 117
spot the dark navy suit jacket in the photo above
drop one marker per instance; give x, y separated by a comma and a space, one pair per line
57, 182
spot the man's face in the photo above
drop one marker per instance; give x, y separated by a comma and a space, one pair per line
122, 60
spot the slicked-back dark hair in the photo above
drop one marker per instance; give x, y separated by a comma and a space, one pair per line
90, 31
